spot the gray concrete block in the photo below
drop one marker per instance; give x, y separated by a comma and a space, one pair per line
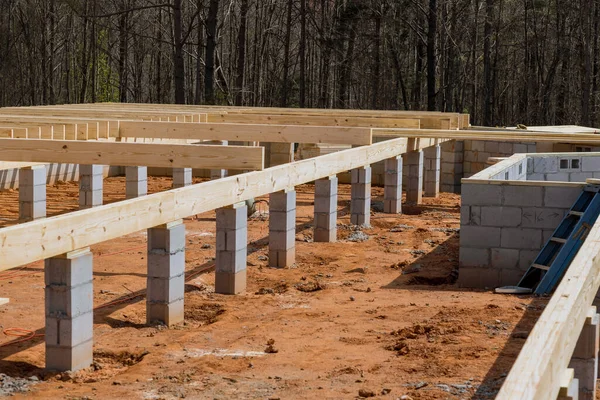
478, 277
472, 257
282, 258
325, 235
325, 220
232, 239
282, 201
230, 283
69, 332
521, 238
505, 258
548, 164
282, 240
165, 265
361, 175
231, 261
465, 215
325, 204
478, 145
539, 217
580, 176
165, 290
166, 313
590, 164
182, 177
505, 148
232, 217
69, 272
526, 258
326, 187
60, 358
523, 196
280, 221
510, 277
560, 197
478, 194
500, 216
519, 148
492, 147
479, 237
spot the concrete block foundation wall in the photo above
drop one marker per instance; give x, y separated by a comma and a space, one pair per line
477, 152
503, 226
571, 167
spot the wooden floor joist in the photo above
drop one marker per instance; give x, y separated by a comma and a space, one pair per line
247, 132
40, 239
132, 154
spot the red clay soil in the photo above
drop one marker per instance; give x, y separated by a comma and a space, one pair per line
380, 317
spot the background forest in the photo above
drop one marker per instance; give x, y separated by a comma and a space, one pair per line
503, 61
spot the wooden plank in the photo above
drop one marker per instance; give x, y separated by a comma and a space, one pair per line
247, 132
132, 154
539, 368
316, 120
504, 135
24, 243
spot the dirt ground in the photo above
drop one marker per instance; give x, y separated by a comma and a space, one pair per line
379, 317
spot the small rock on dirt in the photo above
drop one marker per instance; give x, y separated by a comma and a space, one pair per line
357, 236
271, 347
364, 393
412, 269
308, 287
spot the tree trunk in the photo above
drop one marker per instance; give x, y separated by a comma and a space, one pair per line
211, 44
241, 61
178, 64
431, 34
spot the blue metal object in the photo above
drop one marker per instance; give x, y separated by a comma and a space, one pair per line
555, 257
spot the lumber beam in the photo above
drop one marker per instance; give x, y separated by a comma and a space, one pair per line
247, 132
315, 120
36, 240
506, 135
537, 372
132, 154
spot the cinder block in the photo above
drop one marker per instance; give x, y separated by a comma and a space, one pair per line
59, 358
361, 175
231, 261
465, 215
523, 196
232, 239
545, 164
230, 283
590, 164
560, 197
325, 235
492, 147
325, 220
326, 187
167, 313
505, 148
482, 237
521, 238
505, 258
480, 194
510, 277
472, 257
164, 265
539, 217
500, 216
282, 240
280, 221
536, 177
232, 217
165, 290
392, 206
526, 258
282, 201
478, 277
580, 176
519, 148
182, 177
69, 332
282, 258
325, 204
478, 145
